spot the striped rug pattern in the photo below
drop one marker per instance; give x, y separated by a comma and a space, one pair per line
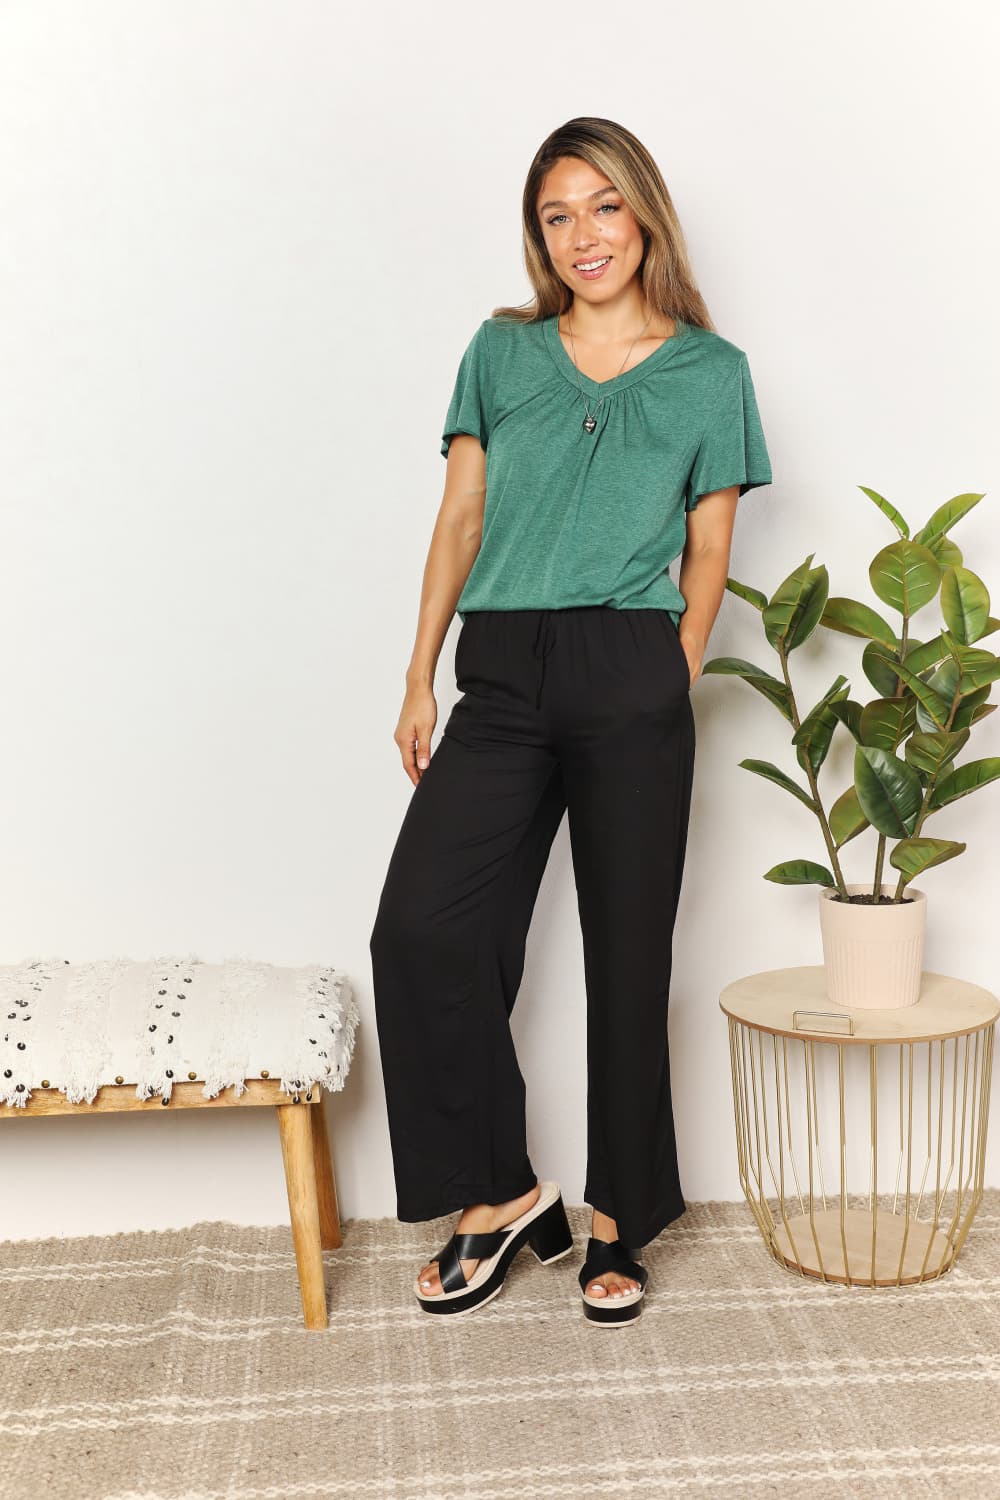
174, 1366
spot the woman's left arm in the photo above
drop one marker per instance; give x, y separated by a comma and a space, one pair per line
704, 570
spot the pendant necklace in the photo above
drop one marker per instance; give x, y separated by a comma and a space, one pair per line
590, 420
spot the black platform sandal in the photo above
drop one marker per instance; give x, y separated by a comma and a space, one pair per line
612, 1255
544, 1227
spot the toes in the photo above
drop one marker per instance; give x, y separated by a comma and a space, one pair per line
430, 1281
429, 1278
612, 1288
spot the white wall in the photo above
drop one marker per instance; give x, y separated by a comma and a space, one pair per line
243, 246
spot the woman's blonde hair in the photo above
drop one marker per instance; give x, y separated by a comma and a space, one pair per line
665, 273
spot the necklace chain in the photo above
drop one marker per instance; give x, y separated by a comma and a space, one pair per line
590, 420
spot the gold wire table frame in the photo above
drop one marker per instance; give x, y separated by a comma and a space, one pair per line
861, 1134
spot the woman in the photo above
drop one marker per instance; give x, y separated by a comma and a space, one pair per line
592, 438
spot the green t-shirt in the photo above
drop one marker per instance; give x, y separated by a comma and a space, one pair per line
575, 518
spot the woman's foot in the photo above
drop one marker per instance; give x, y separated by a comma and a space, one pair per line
481, 1218
611, 1284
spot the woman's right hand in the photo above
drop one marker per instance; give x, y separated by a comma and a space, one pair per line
413, 733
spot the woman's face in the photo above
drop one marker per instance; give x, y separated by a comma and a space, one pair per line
584, 219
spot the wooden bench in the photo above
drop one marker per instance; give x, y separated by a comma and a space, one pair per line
126, 1035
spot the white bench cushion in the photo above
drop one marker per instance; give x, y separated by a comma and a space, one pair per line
79, 1026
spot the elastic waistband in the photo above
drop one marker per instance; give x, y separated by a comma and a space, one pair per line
570, 609
541, 626
535, 613
567, 609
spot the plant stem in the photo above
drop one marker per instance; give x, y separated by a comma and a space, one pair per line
924, 809
879, 862
831, 847
898, 692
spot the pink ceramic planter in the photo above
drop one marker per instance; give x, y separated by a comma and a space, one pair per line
873, 954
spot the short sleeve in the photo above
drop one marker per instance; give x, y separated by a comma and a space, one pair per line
470, 408
733, 450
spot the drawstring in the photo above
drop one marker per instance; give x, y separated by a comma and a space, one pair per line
541, 648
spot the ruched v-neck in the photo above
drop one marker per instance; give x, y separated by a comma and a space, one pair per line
599, 388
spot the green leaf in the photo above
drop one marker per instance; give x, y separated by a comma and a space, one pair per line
880, 665
965, 779
914, 856
945, 517
935, 706
965, 603
885, 721
931, 752
834, 694
967, 656
966, 671
853, 618
978, 674
848, 711
945, 550
971, 709
889, 791
772, 688
800, 872
744, 591
846, 818
795, 608
905, 575
919, 656
813, 736
944, 678
772, 773
887, 509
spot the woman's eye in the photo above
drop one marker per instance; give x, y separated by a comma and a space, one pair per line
614, 207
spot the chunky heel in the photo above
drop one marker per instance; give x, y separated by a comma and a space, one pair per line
550, 1236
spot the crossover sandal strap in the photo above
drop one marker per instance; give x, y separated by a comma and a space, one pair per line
604, 1255
466, 1247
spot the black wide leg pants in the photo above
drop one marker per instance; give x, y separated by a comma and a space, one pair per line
588, 710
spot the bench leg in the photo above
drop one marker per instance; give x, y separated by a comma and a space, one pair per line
296, 1130
326, 1186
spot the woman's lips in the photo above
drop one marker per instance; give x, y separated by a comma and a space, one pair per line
594, 275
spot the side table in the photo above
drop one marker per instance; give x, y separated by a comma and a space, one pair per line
861, 1134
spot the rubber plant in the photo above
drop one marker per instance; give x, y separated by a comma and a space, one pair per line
930, 690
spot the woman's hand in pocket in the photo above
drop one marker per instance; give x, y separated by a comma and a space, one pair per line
417, 719
695, 655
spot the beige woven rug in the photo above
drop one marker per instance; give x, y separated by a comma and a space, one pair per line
155, 1366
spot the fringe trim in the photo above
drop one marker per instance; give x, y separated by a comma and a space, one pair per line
242, 980
172, 986
329, 1019
322, 1016
24, 991
84, 1051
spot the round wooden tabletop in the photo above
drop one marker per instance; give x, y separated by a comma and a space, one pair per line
947, 1007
